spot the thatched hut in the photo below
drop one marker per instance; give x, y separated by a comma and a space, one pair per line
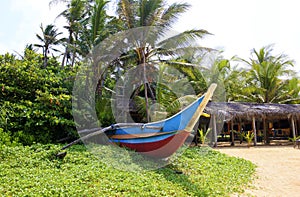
268, 121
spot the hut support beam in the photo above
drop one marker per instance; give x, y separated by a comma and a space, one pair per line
296, 128
215, 135
232, 133
266, 133
293, 128
254, 130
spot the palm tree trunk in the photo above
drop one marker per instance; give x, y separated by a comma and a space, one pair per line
73, 59
64, 57
45, 59
74, 51
146, 95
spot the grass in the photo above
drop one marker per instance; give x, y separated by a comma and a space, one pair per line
35, 171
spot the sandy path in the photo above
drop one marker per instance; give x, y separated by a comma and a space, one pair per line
278, 169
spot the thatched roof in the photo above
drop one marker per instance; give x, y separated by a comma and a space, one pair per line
242, 110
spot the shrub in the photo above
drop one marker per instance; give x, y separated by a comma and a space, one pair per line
6, 139
35, 102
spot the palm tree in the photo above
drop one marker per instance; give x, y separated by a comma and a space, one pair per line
145, 13
216, 69
88, 24
73, 14
265, 76
93, 27
139, 13
49, 40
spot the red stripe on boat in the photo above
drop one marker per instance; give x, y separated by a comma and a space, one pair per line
160, 149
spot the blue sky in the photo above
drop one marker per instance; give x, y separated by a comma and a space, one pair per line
20, 21
238, 26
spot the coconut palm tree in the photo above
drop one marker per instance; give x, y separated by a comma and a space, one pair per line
139, 13
265, 82
87, 26
221, 71
73, 14
145, 13
93, 27
49, 40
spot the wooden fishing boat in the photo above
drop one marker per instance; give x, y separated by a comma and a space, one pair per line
156, 139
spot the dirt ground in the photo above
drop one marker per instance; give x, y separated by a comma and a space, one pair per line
278, 171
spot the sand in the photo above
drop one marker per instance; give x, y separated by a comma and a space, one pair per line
278, 169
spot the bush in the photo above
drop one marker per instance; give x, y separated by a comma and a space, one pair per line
35, 102
6, 139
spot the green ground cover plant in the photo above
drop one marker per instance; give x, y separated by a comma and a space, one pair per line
35, 171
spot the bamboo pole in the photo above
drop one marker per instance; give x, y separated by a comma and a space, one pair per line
296, 128
232, 133
265, 130
215, 135
293, 127
240, 131
254, 130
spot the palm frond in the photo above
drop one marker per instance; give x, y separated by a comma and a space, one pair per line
171, 14
184, 39
150, 12
126, 11
190, 52
98, 19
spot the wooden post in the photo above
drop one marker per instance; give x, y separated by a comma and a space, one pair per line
215, 135
232, 133
265, 131
254, 130
293, 127
228, 126
296, 128
240, 128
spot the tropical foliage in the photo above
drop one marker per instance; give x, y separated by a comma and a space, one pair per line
35, 102
161, 49
268, 79
229, 78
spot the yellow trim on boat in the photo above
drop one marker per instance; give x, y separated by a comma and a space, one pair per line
206, 115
